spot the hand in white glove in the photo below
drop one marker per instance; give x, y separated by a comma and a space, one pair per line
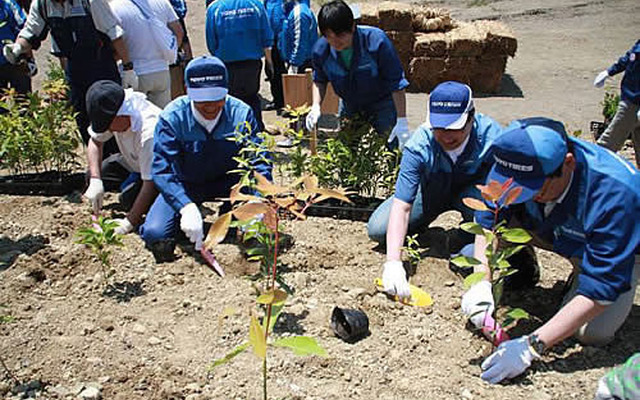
191, 224
95, 193
291, 69
400, 131
313, 117
394, 279
12, 52
129, 79
599, 81
124, 226
477, 303
509, 360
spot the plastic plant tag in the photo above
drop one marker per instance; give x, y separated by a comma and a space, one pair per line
490, 325
419, 297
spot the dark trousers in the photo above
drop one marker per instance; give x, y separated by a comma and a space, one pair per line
244, 83
302, 68
15, 76
275, 80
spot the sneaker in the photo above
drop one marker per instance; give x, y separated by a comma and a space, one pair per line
163, 250
288, 142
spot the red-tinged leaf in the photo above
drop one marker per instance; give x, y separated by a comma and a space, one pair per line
250, 210
475, 204
270, 220
286, 201
332, 193
236, 196
298, 214
310, 182
267, 188
320, 199
512, 195
218, 231
506, 184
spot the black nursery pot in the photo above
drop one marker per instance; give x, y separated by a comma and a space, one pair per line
348, 324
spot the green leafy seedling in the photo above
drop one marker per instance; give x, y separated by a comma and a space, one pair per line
100, 237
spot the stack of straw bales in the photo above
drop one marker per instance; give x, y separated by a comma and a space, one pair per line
434, 48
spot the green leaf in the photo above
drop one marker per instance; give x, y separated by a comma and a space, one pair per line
276, 296
509, 251
276, 310
503, 264
230, 356
517, 314
257, 339
474, 278
472, 227
464, 261
301, 346
516, 235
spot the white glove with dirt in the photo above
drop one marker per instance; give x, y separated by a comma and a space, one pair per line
291, 70
400, 131
129, 79
191, 224
95, 193
599, 81
12, 52
394, 279
509, 360
313, 117
124, 226
477, 303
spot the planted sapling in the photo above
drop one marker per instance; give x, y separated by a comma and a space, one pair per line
100, 237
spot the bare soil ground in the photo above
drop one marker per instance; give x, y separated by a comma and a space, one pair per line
156, 340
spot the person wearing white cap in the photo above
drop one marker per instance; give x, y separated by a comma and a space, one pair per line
193, 155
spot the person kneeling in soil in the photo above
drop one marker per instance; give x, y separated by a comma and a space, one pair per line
193, 155
441, 164
582, 202
131, 119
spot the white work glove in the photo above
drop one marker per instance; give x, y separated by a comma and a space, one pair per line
313, 117
95, 193
477, 303
12, 52
400, 131
599, 81
291, 70
394, 279
129, 79
124, 226
191, 224
509, 360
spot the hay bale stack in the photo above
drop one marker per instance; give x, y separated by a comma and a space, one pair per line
430, 45
466, 40
394, 16
499, 38
487, 73
403, 42
425, 73
427, 19
369, 14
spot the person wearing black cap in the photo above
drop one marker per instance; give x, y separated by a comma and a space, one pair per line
131, 119
193, 155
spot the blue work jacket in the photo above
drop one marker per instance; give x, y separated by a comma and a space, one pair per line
275, 14
630, 64
375, 70
188, 158
238, 30
299, 33
597, 221
12, 19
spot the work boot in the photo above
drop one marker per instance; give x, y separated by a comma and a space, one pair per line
163, 250
528, 275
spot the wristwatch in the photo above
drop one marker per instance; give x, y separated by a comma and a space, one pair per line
537, 344
127, 66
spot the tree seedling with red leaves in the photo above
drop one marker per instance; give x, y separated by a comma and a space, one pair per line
502, 243
274, 203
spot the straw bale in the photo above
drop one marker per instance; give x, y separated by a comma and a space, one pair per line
459, 69
465, 40
487, 73
427, 19
425, 73
499, 38
394, 16
430, 45
369, 14
403, 42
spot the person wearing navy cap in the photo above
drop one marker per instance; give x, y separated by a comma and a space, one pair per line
193, 155
582, 202
441, 164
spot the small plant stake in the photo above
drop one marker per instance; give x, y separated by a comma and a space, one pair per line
498, 196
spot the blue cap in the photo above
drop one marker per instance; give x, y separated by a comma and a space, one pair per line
529, 150
449, 105
206, 79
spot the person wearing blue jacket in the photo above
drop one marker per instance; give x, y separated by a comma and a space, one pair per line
275, 13
625, 122
193, 155
12, 19
364, 70
441, 164
582, 202
238, 33
298, 35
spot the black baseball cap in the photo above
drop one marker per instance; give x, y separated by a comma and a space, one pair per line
104, 99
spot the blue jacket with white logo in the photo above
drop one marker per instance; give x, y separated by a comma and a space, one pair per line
630, 64
299, 33
238, 30
275, 13
187, 157
595, 222
424, 162
12, 19
374, 74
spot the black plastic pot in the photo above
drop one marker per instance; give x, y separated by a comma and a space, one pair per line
51, 183
360, 210
349, 325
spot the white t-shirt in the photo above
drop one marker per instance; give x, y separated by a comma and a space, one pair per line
142, 47
136, 143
